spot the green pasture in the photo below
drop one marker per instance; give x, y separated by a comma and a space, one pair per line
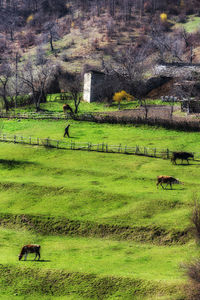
99, 187
55, 105
96, 256
193, 24
152, 137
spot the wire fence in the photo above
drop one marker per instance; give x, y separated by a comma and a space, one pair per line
87, 146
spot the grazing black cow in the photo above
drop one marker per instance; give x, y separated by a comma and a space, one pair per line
166, 179
181, 155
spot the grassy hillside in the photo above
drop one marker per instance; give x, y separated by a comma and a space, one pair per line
94, 186
112, 134
97, 216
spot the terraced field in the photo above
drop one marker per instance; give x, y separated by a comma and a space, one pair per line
106, 232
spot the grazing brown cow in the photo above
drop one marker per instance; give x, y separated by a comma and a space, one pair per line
67, 107
181, 155
30, 249
169, 180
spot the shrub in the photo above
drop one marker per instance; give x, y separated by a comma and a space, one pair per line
173, 10
193, 287
190, 11
182, 18
163, 17
123, 95
196, 218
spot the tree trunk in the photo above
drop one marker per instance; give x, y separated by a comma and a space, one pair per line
51, 42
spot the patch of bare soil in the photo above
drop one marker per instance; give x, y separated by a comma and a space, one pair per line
151, 111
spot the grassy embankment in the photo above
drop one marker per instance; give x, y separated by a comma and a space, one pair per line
54, 105
145, 232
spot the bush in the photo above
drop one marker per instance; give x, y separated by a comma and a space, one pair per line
193, 287
123, 95
173, 10
182, 18
163, 17
190, 11
196, 219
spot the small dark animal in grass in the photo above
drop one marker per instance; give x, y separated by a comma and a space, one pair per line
30, 249
181, 155
67, 131
169, 180
67, 107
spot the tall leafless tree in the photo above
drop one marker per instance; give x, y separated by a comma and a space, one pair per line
36, 80
5, 77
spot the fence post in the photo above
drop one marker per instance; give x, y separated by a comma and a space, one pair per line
125, 149
167, 153
14, 139
119, 148
30, 140
137, 150
57, 144
103, 147
106, 147
154, 152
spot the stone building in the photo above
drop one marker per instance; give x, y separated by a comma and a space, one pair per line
94, 83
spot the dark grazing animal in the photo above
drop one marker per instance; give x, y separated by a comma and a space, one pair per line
30, 249
169, 180
181, 155
67, 107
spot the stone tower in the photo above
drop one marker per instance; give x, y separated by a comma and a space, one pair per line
94, 82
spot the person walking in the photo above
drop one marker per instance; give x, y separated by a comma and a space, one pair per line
67, 131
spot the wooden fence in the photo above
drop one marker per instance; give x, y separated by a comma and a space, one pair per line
101, 147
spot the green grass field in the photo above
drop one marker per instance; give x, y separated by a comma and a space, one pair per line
146, 235
152, 137
55, 105
192, 24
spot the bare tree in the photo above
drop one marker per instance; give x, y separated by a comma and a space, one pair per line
51, 33
128, 68
5, 77
41, 58
36, 80
74, 88
170, 47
